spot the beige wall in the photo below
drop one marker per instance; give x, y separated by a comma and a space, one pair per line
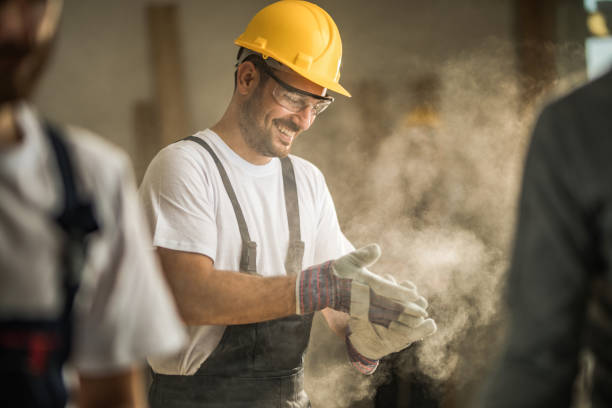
101, 67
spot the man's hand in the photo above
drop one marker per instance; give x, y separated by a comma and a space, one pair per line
374, 341
367, 343
346, 285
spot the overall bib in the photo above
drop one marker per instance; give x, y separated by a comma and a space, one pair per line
33, 351
258, 365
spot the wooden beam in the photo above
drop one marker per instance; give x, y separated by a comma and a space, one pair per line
170, 97
146, 128
535, 35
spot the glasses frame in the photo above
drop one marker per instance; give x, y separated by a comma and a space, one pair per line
325, 100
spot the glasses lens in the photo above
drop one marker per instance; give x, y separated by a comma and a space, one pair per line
289, 100
319, 107
295, 102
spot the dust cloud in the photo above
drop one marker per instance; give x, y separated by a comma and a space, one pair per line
429, 166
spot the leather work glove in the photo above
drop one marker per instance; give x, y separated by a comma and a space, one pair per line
368, 343
346, 285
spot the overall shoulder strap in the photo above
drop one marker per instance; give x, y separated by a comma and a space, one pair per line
76, 218
249, 248
295, 252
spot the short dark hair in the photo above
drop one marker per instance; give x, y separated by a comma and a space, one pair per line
257, 60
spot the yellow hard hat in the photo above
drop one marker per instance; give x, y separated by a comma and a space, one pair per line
301, 36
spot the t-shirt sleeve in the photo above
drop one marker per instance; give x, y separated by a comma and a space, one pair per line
124, 310
178, 201
331, 242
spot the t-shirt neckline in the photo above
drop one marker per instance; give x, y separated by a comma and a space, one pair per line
234, 159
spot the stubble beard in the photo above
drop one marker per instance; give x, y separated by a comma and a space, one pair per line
255, 135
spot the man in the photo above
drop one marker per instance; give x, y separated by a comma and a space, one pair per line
559, 285
77, 278
236, 220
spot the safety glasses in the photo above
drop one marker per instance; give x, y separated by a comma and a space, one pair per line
294, 99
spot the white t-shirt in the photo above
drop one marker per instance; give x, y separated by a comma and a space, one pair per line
189, 210
123, 310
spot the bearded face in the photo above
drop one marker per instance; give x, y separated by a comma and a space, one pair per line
27, 29
261, 129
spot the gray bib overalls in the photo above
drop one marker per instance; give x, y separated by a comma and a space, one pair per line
258, 365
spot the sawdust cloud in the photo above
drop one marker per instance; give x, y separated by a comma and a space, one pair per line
438, 193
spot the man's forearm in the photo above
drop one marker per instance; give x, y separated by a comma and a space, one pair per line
227, 297
205, 295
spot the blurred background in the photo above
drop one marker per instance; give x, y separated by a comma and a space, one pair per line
425, 158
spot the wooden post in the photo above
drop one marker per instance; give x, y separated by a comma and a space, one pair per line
170, 98
535, 34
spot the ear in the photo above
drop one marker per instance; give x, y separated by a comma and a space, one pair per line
247, 78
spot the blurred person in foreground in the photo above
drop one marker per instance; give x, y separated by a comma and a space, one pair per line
249, 238
560, 282
78, 281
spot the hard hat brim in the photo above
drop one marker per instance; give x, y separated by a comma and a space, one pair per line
331, 85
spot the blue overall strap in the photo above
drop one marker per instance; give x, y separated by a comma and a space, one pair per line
77, 220
248, 255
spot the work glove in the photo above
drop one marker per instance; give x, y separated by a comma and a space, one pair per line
367, 343
346, 285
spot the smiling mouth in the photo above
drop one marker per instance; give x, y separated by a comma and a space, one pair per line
287, 134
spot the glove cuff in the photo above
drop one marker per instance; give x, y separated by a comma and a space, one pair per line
313, 288
363, 364
317, 288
